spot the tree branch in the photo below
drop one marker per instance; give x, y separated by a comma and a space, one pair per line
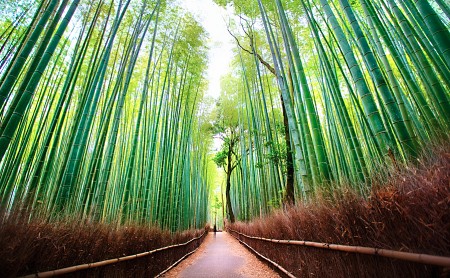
236, 164
269, 67
238, 43
261, 60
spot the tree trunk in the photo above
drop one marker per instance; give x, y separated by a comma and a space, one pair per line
289, 198
227, 191
289, 194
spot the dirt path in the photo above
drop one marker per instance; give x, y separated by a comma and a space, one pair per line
221, 256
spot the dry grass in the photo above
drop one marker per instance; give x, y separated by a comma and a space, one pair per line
409, 212
27, 248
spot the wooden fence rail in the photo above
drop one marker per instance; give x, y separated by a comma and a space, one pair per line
280, 268
75, 268
406, 256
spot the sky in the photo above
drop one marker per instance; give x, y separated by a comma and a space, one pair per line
220, 43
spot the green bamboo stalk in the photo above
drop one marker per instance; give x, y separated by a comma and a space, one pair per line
13, 122
25, 51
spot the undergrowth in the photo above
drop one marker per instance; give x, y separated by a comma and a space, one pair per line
27, 248
408, 210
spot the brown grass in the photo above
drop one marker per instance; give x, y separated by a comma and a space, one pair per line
409, 212
27, 248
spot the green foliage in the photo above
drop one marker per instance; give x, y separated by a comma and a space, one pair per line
216, 203
220, 158
9, 10
276, 202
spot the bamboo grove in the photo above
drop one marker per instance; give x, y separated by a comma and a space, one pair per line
103, 117
359, 84
99, 104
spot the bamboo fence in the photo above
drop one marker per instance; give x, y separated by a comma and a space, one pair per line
406, 256
75, 268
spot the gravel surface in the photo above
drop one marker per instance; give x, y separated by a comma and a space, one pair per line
221, 256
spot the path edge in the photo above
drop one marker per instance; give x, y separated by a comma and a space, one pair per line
177, 262
273, 265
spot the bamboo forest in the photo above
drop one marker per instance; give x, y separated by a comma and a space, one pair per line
324, 121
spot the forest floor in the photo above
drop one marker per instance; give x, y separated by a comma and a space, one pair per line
221, 255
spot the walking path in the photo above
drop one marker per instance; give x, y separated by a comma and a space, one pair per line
220, 256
